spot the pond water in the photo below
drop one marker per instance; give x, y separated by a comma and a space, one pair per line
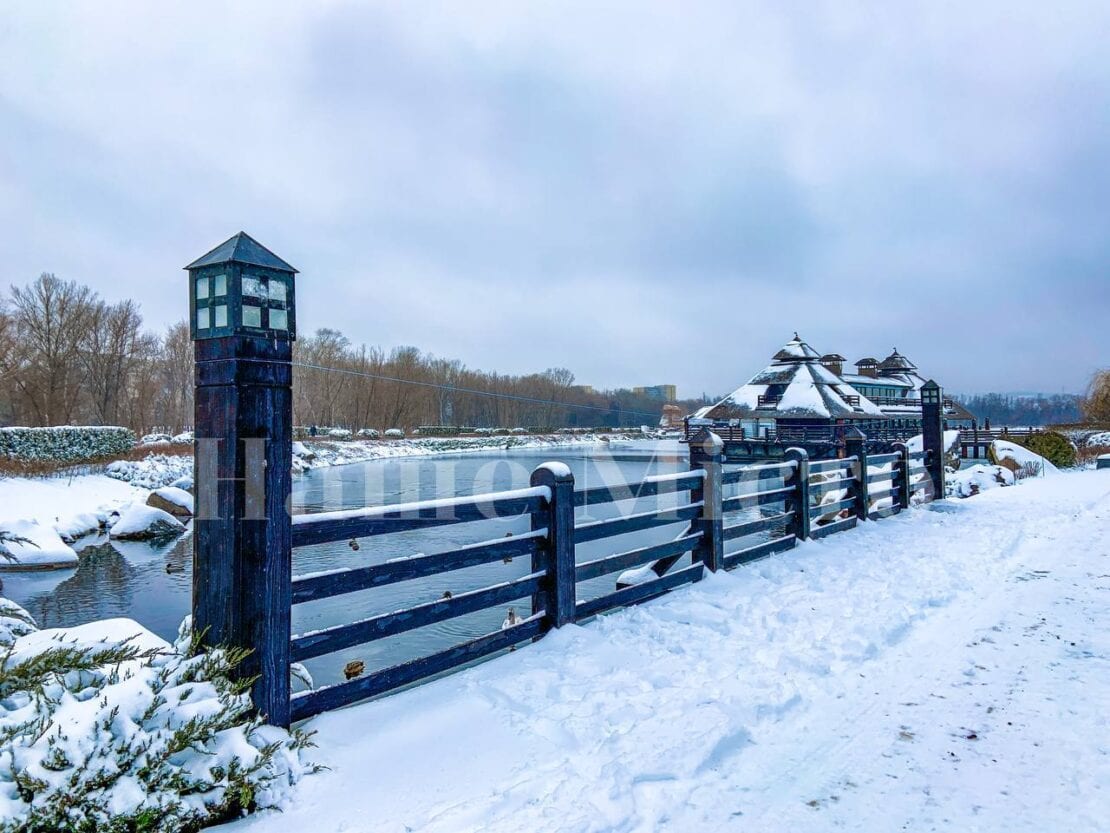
152, 583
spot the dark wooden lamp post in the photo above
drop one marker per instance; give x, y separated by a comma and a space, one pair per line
243, 318
932, 435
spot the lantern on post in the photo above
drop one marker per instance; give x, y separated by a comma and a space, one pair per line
243, 323
932, 435
241, 288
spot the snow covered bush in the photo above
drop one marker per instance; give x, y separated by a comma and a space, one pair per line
519, 431
66, 443
155, 471
106, 727
369, 433
339, 433
155, 439
394, 433
1054, 447
14, 622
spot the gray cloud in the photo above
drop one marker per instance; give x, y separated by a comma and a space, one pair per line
639, 193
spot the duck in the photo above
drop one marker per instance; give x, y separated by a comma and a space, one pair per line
511, 618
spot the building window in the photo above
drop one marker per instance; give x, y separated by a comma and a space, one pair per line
279, 319
202, 318
221, 316
219, 285
252, 316
202, 288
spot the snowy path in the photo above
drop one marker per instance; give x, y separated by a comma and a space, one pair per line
945, 670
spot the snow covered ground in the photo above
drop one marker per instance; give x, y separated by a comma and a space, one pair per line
947, 669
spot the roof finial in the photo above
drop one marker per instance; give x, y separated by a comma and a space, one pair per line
796, 337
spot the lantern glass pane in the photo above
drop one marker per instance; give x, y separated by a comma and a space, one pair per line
279, 319
277, 291
202, 288
202, 318
219, 285
221, 316
252, 316
252, 287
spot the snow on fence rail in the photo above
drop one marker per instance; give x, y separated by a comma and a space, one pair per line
781, 503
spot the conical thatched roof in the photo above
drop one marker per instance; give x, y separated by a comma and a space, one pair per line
795, 385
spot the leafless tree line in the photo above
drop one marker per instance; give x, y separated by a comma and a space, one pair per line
68, 356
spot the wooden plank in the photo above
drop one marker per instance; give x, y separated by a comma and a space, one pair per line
834, 506
825, 465
308, 703
640, 592
336, 582
635, 523
837, 526
882, 459
881, 476
635, 558
886, 512
647, 488
735, 559
757, 498
826, 486
752, 527
765, 471
327, 640
383, 520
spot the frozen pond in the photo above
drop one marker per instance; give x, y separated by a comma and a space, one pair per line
152, 584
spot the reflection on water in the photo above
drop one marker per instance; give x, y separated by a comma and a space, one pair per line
152, 583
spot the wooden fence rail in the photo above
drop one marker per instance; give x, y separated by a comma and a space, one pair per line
792, 501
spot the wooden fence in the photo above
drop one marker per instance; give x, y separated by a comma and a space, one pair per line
797, 499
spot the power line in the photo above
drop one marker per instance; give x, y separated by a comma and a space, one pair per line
473, 391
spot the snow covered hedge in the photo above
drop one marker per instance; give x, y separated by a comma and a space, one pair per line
107, 727
67, 443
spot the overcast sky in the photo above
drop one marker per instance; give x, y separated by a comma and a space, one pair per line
643, 193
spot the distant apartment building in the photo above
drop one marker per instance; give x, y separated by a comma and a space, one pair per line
664, 393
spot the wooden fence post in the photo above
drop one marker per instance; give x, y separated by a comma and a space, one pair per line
855, 445
242, 323
707, 454
800, 525
557, 555
932, 434
905, 490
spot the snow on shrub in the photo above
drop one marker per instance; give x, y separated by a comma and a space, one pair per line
14, 622
155, 439
1052, 446
107, 727
184, 438
394, 433
369, 433
339, 433
155, 471
519, 431
1018, 459
67, 443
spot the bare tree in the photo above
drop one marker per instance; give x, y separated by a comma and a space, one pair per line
51, 317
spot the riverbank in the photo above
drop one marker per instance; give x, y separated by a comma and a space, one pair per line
56, 512
945, 669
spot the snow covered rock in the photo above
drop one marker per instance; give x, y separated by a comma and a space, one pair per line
108, 727
71, 528
1020, 460
138, 522
30, 545
177, 502
978, 478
